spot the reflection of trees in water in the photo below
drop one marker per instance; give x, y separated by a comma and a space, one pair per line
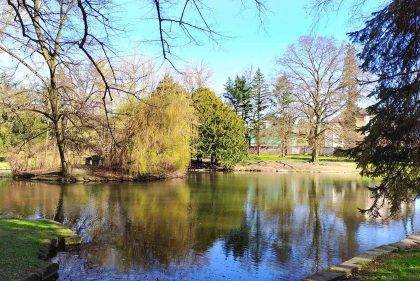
144, 227
21, 198
249, 241
315, 223
219, 207
59, 210
282, 245
291, 220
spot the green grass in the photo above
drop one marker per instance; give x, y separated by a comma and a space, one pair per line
253, 158
20, 242
404, 265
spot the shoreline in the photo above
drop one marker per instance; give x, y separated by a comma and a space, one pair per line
354, 265
33, 244
97, 175
285, 166
86, 175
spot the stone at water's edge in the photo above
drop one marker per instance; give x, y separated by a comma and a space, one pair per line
415, 237
71, 242
352, 265
406, 244
50, 271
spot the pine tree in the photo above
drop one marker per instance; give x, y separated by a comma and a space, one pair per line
391, 148
349, 133
239, 96
231, 96
221, 132
261, 100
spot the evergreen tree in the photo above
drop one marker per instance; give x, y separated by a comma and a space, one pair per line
231, 95
221, 132
349, 133
285, 114
391, 149
261, 100
239, 96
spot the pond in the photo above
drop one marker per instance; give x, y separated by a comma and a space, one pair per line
211, 226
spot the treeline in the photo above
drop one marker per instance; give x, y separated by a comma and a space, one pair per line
155, 131
156, 127
314, 97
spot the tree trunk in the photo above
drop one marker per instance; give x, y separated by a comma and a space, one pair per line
315, 145
257, 138
258, 147
213, 161
315, 155
282, 149
60, 146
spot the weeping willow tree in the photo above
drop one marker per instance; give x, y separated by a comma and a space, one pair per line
162, 131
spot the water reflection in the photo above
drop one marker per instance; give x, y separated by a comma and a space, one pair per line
233, 226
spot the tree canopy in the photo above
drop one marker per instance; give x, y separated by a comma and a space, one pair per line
221, 132
163, 129
261, 97
391, 149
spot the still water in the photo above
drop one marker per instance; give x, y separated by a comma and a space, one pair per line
210, 226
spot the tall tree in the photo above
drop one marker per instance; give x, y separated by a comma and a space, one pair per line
45, 39
391, 149
284, 111
221, 132
351, 71
162, 131
261, 100
314, 66
239, 96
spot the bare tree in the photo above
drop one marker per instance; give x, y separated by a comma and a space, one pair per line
48, 38
314, 68
196, 76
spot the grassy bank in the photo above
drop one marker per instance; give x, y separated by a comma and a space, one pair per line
404, 265
20, 243
297, 163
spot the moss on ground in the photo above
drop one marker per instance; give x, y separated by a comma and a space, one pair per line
20, 243
404, 265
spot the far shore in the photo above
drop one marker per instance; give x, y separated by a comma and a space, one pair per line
298, 166
262, 163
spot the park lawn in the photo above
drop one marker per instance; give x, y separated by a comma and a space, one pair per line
253, 158
20, 243
404, 265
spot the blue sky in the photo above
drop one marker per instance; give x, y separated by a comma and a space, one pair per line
247, 42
